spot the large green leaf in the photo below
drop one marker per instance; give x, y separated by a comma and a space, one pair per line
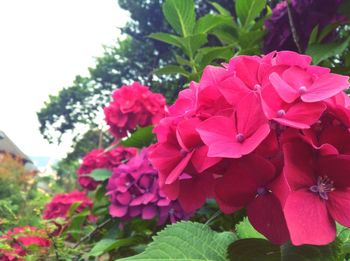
254, 249
210, 21
321, 52
248, 10
171, 69
167, 38
100, 174
142, 137
180, 14
187, 241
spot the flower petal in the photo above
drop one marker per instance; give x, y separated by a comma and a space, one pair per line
284, 90
326, 86
338, 206
308, 220
298, 164
266, 215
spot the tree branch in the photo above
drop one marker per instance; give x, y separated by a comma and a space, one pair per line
292, 27
93, 232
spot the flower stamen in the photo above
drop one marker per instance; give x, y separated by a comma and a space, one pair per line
324, 185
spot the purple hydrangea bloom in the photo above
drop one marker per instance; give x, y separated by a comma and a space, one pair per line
306, 15
134, 192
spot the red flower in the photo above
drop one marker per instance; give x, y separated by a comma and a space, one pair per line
61, 203
98, 158
133, 105
20, 237
320, 193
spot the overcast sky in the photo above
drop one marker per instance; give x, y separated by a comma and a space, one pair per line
44, 44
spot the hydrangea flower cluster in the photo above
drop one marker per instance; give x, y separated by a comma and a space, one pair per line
269, 134
99, 158
19, 238
134, 192
132, 106
306, 15
60, 204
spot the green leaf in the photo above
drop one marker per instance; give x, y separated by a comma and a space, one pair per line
167, 38
180, 14
100, 174
344, 236
327, 30
321, 52
186, 241
73, 207
171, 69
142, 137
226, 35
207, 55
210, 21
254, 249
182, 61
329, 252
245, 230
193, 42
220, 9
108, 244
313, 35
248, 10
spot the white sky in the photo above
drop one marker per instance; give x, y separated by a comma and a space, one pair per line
44, 44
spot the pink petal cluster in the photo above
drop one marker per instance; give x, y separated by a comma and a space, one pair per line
133, 106
269, 134
60, 204
20, 237
99, 158
134, 192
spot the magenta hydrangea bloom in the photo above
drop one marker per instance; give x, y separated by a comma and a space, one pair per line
306, 15
132, 106
26, 237
226, 138
99, 158
60, 204
134, 192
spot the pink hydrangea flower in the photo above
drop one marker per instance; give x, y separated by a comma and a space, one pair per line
132, 106
60, 204
24, 236
98, 158
134, 192
226, 138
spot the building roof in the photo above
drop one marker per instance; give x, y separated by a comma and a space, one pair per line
8, 146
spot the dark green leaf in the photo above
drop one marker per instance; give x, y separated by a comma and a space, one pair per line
100, 174
248, 10
321, 52
220, 9
187, 241
142, 137
167, 38
329, 252
254, 249
313, 35
210, 22
207, 55
73, 207
180, 14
